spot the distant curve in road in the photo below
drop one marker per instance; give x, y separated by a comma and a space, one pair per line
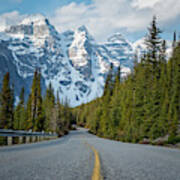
70, 158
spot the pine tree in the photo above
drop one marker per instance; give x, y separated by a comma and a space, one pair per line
115, 109
117, 81
153, 41
34, 105
95, 120
40, 120
108, 89
174, 40
34, 99
145, 104
163, 88
12, 106
162, 57
59, 122
140, 96
7, 104
20, 114
49, 106
174, 109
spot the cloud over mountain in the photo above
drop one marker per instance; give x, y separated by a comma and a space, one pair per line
104, 17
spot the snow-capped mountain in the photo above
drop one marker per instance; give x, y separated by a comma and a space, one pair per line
121, 51
72, 61
140, 48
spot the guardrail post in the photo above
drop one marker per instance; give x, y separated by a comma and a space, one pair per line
9, 137
27, 139
41, 138
33, 138
9, 140
38, 138
20, 139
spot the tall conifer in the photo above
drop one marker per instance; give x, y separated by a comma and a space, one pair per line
6, 111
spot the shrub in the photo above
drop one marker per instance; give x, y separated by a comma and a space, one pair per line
173, 139
3, 140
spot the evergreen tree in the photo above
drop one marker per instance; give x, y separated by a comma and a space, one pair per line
40, 117
7, 104
59, 120
117, 80
153, 40
174, 40
12, 106
174, 109
34, 105
108, 89
20, 114
145, 104
49, 105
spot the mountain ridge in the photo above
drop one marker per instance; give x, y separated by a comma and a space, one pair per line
72, 61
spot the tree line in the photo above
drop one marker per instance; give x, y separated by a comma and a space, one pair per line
144, 104
38, 113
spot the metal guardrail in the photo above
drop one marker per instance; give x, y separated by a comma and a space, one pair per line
14, 133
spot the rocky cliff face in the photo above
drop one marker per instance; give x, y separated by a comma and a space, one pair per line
72, 61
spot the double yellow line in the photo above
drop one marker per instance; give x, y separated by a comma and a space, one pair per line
97, 164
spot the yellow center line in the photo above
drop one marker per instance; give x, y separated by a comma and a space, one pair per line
97, 164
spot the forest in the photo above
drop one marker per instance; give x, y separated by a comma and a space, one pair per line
143, 106
39, 113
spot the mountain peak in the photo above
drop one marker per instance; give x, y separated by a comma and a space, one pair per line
82, 29
35, 26
36, 19
72, 61
116, 38
82, 32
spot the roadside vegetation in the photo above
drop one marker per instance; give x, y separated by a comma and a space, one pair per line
37, 113
143, 107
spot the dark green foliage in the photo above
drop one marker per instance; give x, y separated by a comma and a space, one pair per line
20, 113
146, 104
48, 105
34, 106
38, 114
47, 114
153, 42
3, 140
7, 104
173, 139
109, 85
174, 92
174, 40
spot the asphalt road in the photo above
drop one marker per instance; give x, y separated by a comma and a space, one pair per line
74, 157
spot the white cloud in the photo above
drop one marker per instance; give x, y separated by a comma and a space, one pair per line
10, 18
104, 17
145, 3
164, 9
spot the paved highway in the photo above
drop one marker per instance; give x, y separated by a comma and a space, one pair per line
82, 156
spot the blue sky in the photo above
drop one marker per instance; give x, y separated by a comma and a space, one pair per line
45, 7
101, 17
